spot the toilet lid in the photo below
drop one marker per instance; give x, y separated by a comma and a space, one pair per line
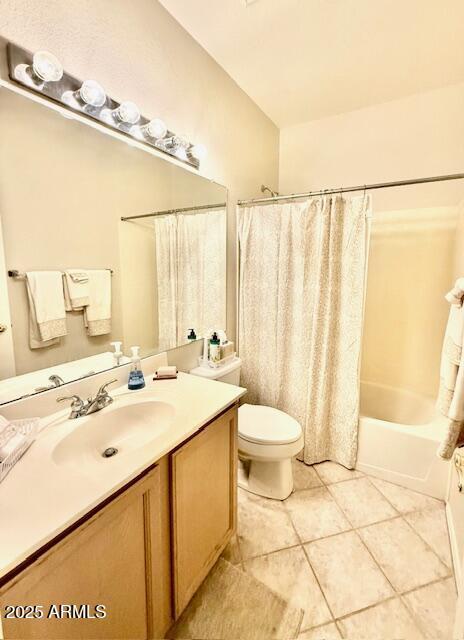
260, 424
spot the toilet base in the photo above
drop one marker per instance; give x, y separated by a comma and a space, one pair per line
270, 479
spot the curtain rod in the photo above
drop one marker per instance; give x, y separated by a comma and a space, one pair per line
219, 205
364, 187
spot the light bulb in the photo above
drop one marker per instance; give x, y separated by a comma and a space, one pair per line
47, 67
181, 140
199, 151
181, 153
90, 96
155, 129
92, 93
127, 112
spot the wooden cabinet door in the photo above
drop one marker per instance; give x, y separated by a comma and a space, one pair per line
101, 562
204, 503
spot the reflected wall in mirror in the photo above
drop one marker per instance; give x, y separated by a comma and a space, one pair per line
64, 189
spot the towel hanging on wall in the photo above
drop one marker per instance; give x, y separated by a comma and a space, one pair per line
76, 289
451, 393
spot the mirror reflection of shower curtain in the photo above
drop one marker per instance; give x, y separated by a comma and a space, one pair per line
191, 274
302, 283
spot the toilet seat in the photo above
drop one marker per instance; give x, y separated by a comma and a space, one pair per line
264, 425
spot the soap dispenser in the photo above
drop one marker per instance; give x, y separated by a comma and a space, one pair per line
136, 379
214, 348
117, 354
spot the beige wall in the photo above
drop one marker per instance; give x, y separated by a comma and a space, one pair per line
415, 248
139, 52
421, 135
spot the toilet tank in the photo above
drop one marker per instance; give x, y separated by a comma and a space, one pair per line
229, 372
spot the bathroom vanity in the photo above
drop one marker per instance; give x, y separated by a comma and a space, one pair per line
137, 535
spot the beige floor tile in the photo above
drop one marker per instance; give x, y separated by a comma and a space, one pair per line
263, 526
315, 514
434, 608
326, 632
404, 500
431, 525
402, 555
362, 503
232, 552
332, 472
288, 574
304, 476
385, 621
349, 577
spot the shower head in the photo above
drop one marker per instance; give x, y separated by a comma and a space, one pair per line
264, 189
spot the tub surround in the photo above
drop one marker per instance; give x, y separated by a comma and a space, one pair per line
40, 499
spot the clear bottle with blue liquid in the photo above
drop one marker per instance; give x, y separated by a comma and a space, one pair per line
136, 379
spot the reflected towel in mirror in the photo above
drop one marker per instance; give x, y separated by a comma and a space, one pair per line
97, 315
47, 314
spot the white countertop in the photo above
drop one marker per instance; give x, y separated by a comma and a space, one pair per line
40, 498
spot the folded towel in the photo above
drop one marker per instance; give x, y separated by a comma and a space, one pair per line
47, 314
456, 295
97, 315
451, 393
76, 289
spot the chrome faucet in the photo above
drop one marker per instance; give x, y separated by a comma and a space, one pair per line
57, 380
80, 408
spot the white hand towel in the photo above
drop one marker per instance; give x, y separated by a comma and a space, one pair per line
451, 393
76, 289
455, 296
47, 314
97, 315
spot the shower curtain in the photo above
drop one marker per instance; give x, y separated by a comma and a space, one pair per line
302, 283
191, 274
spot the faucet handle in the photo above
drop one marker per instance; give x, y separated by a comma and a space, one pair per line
77, 403
102, 389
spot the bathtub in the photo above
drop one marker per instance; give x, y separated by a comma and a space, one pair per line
399, 433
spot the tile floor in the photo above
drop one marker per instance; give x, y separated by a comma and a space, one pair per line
362, 557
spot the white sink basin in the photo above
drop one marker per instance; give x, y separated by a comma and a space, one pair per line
125, 427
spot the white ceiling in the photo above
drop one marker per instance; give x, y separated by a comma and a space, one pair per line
305, 59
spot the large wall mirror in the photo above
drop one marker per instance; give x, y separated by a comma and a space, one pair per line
146, 281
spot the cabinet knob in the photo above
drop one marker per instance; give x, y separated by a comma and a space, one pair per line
3, 328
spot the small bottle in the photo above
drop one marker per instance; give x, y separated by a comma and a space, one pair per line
117, 354
192, 335
214, 349
136, 379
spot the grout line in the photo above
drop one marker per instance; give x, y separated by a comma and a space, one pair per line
375, 562
270, 553
415, 616
319, 585
311, 568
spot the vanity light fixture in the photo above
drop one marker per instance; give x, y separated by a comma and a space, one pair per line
42, 72
45, 68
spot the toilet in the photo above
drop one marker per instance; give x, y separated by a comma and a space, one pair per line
268, 439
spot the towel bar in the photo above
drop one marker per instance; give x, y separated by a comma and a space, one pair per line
14, 273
